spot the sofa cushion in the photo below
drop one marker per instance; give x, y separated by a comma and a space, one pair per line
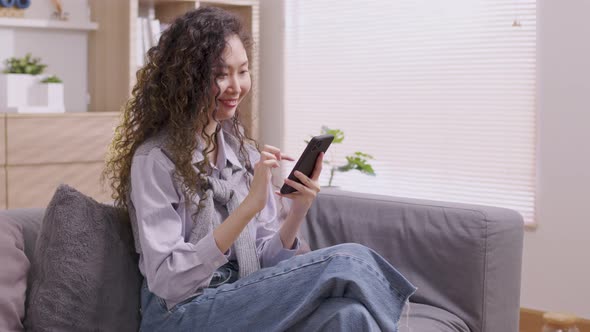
423, 317
13, 276
84, 271
28, 221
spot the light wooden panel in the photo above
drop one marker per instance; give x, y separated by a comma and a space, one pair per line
532, 321
2, 188
148, 2
166, 12
2, 139
59, 139
109, 54
34, 186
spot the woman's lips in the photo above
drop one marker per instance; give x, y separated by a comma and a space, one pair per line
229, 102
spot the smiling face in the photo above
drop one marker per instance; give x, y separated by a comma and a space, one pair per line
232, 78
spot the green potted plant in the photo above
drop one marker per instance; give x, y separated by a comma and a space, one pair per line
51, 79
356, 161
24, 89
51, 94
18, 79
26, 65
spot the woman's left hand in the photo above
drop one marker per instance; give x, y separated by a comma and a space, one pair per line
307, 190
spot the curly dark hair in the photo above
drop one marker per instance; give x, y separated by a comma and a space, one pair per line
174, 93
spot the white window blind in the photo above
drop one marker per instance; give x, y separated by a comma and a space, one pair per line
441, 93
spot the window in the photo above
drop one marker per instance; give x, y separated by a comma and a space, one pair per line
441, 93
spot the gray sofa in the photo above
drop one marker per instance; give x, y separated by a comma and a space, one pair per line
464, 259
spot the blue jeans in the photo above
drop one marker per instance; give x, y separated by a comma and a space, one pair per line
347, 287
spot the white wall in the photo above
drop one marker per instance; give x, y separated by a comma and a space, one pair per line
64, 51
556, 270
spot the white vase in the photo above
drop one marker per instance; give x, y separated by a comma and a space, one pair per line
46, 98
55, 95
47, 94
15, 90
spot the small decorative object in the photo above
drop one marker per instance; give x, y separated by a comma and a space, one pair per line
24, 90
22, 4
19, 80
59, 12
51, 93
47, 95
11, 12
7, 3
13, 8
559, 322
516, 23
15, 89
51, 79
26, 65
356, 161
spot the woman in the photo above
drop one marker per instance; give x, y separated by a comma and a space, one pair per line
213, 251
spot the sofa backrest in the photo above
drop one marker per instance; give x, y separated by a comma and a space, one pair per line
463, 258
30, 219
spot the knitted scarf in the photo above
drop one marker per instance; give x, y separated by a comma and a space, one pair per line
220, 192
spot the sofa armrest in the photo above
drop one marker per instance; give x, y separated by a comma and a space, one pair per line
463, 258
30, 220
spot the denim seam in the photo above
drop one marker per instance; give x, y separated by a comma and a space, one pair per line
158, 299
210, 297
321, 260
382, 277
161, 302
180, 304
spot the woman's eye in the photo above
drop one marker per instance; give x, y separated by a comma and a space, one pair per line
243, 72
222, 75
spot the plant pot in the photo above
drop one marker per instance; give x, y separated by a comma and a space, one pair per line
15, 90
48, 95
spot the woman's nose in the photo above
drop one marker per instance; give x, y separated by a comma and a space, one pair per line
234, 84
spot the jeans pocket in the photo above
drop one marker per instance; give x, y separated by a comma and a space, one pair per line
193, 299
181, 303
161, 302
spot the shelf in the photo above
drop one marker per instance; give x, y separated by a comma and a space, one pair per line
59, 115
157, 2
230, 2
46, 24
33, 110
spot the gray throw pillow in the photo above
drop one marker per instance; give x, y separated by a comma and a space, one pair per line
84, 271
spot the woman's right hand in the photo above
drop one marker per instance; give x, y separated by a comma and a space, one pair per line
269, 159
228, 231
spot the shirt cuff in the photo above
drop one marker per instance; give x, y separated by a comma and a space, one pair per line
208, 247
228, 253
274, 252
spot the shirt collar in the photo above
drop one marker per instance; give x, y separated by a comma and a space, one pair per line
224, 152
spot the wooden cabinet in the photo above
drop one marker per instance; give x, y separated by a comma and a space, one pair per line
41, 151
112, 48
